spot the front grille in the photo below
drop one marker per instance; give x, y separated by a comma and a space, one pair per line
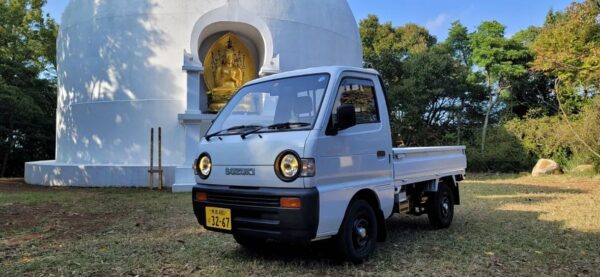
245, 200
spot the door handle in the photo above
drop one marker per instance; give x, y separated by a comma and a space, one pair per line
380, 154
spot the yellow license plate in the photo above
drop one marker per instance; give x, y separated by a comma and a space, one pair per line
218, 218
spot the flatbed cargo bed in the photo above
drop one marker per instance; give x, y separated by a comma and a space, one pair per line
418, 164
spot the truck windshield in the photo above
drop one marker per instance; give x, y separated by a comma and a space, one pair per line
272, 106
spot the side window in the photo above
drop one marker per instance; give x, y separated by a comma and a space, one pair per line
361, 94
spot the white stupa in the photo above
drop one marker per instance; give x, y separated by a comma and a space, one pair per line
127, 66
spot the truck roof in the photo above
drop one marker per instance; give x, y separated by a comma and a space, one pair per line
332, 70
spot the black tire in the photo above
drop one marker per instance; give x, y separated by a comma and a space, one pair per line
250, 243
357, 238
440, 207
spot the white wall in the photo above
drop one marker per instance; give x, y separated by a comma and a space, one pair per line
120, 66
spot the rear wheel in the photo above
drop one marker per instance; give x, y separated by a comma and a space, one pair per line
250, 243
358, 234
440, 207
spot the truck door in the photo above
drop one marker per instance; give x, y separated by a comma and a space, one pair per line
357, 157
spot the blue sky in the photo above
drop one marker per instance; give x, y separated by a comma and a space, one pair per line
436, 15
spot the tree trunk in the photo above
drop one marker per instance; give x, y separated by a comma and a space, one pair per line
4, 163
459, 122
12, 145
487, 114
10, 148
485, 125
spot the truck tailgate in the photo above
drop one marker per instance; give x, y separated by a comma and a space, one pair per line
418, 164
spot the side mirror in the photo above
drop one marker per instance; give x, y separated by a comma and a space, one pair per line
346, 117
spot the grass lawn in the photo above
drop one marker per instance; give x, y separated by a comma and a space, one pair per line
506, 225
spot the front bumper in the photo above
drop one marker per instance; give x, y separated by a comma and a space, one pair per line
256, 212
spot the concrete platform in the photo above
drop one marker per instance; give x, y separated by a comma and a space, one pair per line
50, 173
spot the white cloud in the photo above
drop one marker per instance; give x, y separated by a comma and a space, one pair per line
438, 22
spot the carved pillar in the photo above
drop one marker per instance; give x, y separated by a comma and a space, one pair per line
194, 69
194, 122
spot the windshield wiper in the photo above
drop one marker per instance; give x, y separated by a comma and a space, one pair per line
288, 125
241, 127
278, 126
258, 128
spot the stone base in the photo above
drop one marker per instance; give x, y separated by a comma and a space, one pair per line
51, 173
185, 179
196, 124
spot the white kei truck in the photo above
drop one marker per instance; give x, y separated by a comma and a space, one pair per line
307, 155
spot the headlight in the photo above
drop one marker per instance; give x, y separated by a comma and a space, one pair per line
287, 166
204, 166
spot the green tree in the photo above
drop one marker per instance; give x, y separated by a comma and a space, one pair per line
531, 94
568, 45
431, 89
499, 59
386, 46
429, 96
528, 36
381, 47
459, 43
27, 85
414, 39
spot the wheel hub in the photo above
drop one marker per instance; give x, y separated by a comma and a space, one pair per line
445, 207
360, 234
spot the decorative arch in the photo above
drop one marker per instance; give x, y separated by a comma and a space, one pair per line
233, 18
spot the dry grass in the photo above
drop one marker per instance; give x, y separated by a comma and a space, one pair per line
506, 225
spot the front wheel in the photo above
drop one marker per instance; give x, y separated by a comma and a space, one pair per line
440, 208
358, 234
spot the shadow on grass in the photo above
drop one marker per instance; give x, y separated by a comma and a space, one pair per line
482, 177
486, 235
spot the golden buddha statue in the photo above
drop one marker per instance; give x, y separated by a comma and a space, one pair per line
229, 76
228, 67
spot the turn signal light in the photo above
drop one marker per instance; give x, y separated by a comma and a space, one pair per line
201, 196
290, 202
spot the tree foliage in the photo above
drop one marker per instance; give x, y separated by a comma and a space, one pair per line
502, 88
459, 43
499, 59
27, 86
431, 96
428, 88
551, 136
385, 46
568, 45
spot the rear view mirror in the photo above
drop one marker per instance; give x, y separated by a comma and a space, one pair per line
346, 117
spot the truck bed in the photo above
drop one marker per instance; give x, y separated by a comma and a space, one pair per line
417, 164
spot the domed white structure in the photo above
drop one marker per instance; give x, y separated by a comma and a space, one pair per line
127, 66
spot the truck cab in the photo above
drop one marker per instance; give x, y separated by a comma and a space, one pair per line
307, 155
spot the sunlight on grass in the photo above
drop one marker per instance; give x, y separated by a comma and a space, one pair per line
575, 210
520, 196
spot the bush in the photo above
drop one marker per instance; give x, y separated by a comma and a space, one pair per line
504, 153
553, 137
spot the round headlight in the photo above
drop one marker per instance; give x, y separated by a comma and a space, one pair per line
204, 166
287, 166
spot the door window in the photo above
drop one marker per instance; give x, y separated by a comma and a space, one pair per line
361, 94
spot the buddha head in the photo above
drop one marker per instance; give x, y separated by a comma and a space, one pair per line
229, 57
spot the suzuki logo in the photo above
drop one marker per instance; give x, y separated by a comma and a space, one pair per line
240, 171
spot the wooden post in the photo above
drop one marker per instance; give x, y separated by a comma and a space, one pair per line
160, 168
151, 171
